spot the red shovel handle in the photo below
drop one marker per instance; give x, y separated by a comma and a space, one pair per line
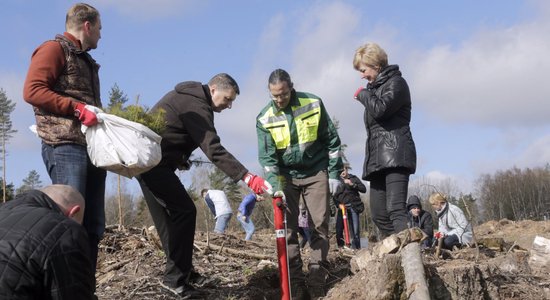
282, 255
345, 221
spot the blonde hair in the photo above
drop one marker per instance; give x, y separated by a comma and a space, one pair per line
370, 54
436, 198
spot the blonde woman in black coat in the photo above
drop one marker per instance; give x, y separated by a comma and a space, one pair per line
390, 154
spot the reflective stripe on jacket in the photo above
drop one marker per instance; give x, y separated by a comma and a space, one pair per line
297, 141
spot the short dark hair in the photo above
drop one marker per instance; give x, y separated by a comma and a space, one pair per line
80, 13
280, 75
224, 82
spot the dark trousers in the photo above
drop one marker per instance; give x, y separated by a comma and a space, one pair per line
353, 225
174, 215
388, 197
450, 241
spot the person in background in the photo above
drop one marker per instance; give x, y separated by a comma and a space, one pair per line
189, 117
245, 211
454, 228
421, 219
218, 204
44, 251
299, 149
61, 84
390, 154
303, 226
348, 195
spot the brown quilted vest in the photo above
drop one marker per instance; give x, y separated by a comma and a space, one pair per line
80, 81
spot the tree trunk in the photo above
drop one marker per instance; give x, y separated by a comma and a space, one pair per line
413, 267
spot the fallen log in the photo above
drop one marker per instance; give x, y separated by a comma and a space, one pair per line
413, 268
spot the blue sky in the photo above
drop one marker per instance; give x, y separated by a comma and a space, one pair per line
476, 69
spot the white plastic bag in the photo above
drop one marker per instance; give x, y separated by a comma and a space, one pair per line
121, 146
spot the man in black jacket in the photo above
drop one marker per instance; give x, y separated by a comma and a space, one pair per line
420, 218
44, 251
189, 114
347, 194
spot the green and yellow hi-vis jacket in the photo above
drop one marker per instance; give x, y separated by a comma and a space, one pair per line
297, 141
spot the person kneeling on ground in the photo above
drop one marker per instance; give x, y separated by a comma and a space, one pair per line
421, 219
454, 228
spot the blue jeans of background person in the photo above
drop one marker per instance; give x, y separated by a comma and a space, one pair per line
354, 228
221, 222
248, 226
69, 164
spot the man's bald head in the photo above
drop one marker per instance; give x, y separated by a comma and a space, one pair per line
69, 200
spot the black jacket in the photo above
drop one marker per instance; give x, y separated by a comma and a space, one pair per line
349, 194
424, 220
387, 116
189, 125
43, 254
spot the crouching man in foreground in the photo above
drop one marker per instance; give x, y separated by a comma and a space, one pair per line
44, 252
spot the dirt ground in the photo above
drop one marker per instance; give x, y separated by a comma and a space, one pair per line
131, 266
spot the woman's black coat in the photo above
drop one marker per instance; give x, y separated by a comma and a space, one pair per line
387, 117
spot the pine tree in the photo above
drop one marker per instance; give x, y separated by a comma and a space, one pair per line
6, 132
117, 98
31, 182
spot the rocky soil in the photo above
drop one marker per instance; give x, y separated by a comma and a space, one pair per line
131, 266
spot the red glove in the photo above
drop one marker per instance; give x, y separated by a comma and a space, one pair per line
356, 95
438, 235
257, 184
86, 116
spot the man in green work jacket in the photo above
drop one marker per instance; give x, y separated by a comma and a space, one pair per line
299, 149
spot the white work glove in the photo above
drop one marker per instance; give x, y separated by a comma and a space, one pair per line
279, 194
333, 185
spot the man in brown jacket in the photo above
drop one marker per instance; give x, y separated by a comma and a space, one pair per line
62, 80
189, 115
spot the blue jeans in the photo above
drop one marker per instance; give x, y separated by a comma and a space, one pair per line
69, 164
356, 228
248, 226
222, 222
354, 231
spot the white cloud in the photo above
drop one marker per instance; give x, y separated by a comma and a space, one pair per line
537, 154
496, 77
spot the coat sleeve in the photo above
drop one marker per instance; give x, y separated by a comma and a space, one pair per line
358, 185
47, 63
428, 225
68, 270
458, 221
331, 140
199, 122
392, 98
